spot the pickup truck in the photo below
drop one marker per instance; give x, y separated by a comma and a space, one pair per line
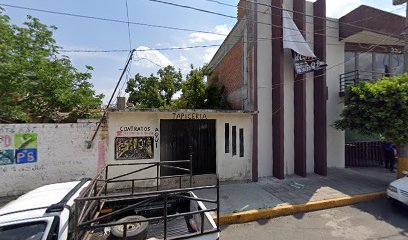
90, 209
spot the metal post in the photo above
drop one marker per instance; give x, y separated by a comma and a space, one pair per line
106, 180
125, 231
76, 220
133, 187
191, 165
218, 203
165, 216
202, 222
157, 176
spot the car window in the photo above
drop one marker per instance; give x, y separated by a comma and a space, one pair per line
26, 231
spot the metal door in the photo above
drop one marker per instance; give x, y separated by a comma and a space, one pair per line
178, 136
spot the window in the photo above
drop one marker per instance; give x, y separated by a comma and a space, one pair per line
241, 142
350, 62
234, 140
397, 64
25, 231
227, 138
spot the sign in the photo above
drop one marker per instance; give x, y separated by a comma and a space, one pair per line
26, 156
133, 148
304, 64
189, 116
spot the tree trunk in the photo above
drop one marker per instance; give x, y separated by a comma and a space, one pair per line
402, 151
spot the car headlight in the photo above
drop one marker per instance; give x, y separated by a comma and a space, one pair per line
392, 188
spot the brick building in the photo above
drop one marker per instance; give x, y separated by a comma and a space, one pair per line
294, 113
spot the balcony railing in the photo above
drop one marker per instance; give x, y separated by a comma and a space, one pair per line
351, 78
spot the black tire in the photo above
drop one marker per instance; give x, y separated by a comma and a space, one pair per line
135, 231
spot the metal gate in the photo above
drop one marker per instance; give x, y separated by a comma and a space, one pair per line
364, 154
179, 137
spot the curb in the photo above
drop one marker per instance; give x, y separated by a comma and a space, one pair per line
253, 215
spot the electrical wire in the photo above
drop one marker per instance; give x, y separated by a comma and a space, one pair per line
269, 24
147, 24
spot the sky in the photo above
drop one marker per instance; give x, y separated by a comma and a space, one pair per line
79, 33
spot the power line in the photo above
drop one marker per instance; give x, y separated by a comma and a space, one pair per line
137, 50
269, 24
138, 23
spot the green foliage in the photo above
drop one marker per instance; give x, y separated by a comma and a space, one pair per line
158, 92
379, 107
194, 93
36, 84
152, 91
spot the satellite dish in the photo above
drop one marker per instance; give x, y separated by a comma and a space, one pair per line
398, 2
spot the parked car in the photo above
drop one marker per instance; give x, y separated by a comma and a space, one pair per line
41, 214
398, 190
86, 210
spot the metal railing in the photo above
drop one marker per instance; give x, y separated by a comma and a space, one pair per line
89, 206
354, 77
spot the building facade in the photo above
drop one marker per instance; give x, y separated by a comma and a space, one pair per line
293, 129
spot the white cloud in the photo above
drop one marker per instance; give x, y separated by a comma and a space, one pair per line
209, 53
151, 58
337, 9
208, 37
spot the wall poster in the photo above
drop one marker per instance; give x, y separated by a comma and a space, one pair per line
133, 148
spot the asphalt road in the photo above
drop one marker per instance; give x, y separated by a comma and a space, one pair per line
374, 220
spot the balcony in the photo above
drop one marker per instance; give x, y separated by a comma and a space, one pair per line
354, 77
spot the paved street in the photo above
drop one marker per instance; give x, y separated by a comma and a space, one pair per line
375, 220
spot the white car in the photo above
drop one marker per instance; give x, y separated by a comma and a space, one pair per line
398, 190
42, 214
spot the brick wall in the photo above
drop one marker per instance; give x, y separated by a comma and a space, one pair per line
230, 74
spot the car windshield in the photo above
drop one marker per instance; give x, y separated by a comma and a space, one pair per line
26, 231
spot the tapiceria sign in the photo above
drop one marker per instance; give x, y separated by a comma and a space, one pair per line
304, 64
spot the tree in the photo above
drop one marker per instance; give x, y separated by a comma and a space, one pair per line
194, 92
154, 92
36, 84
378, 107
159, 92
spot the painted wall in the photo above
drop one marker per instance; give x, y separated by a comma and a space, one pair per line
289, 111
37, 154
335, 60
309, 95
228, 167
264, 70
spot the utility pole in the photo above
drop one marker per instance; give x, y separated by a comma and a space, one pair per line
405, 33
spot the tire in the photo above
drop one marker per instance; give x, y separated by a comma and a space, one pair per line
135, 231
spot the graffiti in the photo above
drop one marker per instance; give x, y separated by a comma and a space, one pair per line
191, 116
7, 157
156, 136
132, 148
6, 141
25, 140
24, 151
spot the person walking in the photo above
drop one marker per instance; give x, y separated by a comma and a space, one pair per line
390, 156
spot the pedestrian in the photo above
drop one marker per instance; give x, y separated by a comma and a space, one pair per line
390, 156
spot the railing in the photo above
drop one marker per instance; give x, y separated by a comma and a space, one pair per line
90, 203
364, 154
354, 77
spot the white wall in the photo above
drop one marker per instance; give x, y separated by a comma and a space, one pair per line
309, 95
62, 155
264, 70
289, 111
335, 61
228, 167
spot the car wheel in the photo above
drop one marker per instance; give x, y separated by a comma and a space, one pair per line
135, 231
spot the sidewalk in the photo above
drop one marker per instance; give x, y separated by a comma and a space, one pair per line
294, 190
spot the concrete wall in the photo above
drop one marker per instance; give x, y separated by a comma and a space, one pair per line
45, 154
264, 70
309, 95
228, 167
335, 60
